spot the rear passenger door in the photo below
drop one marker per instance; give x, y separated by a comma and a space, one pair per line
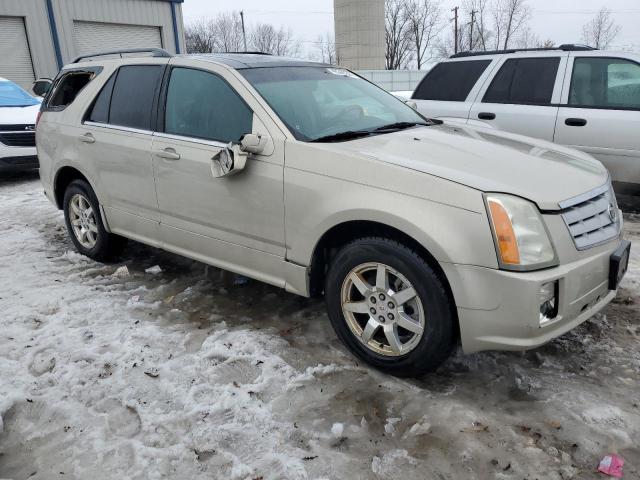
523, 96
116, 137
448, 90
601, 115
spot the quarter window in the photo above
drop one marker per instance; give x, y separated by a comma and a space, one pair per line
133, 94
451, 81
202, 105
524, 81
605, 83
100, 111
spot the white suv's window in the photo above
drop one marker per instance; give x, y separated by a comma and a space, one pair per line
524, 81
202, 105
605, 83
451, 81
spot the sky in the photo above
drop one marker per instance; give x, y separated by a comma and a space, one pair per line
559, 20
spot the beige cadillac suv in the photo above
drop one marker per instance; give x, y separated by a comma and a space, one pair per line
305, 176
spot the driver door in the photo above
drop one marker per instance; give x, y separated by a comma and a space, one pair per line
235, 222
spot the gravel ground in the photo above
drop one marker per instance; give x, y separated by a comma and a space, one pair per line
183, 372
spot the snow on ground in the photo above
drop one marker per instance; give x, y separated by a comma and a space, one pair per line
184, 372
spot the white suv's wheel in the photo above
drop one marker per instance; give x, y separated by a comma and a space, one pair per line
84, 224
389, 307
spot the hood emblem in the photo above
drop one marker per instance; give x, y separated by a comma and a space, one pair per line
30, 128
613, 213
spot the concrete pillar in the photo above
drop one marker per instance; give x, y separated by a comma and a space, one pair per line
359, 26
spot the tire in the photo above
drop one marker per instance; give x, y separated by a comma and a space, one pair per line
97, 244
417, 351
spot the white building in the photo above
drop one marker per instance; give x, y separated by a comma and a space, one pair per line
37, 37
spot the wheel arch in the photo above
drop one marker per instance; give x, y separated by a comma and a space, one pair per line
64, 176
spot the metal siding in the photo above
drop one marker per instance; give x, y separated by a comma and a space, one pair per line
93, 37
125, 12
38, 33
16, 62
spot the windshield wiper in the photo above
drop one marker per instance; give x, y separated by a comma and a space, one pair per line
400, 126
337, 137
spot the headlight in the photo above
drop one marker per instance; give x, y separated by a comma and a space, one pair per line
522, 241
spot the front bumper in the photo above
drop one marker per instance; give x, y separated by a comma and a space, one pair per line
499, 310
17, 158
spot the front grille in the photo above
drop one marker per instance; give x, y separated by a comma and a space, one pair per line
17, 127
593, 221
28, 160
13, 139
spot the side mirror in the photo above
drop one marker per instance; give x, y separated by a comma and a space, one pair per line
253, 143
412, 104
41, 87
231, 159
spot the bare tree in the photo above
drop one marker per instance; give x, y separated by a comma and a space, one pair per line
424, 26
266, 38
327, 49
600, 31
397, 34
199, 37
510, 16
445, 46
227, 32
480, 34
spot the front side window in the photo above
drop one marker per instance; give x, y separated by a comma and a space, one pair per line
68, 88
605, 83
318, 102
451, 81
133, 94
202, 105
11, 95
524, 81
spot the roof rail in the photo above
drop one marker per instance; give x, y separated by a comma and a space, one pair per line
565, 48
155, 52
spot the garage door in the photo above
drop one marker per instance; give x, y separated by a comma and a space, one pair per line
15, 57
93, 37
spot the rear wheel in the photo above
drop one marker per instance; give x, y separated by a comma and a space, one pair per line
84, 224
389, 307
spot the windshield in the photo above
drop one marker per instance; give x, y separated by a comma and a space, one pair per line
11, 95
319, 102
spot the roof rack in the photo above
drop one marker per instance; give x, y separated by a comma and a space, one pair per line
155, 52
564, 48
241, 53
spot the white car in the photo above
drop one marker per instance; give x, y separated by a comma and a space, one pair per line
18, 113
572, 95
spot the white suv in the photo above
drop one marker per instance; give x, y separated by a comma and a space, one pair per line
573, 95
308, 177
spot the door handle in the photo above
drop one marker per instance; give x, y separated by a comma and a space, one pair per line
486, 116
575, 122
167, 154
87, 138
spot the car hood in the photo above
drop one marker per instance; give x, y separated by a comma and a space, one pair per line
488, 160
19, 115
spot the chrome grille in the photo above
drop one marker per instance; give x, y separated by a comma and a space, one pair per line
594, 220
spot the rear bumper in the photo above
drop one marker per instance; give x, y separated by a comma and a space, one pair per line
500, 310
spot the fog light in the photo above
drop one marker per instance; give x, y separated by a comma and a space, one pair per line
548, 297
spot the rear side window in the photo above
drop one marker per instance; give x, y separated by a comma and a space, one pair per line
133, 93
100, 111
68, 89
612, 83
202, 105
524, 81
451, 81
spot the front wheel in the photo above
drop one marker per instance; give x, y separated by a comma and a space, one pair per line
84, 224
389, 307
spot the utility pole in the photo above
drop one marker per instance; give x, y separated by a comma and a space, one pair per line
473, 19
455, 11
244, 33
